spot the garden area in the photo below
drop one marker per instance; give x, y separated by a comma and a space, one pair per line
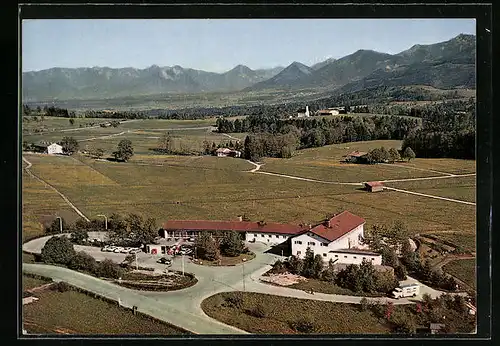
267, 314
226, 249
60, 251
62, 309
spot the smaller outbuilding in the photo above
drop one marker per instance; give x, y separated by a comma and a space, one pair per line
225, 152
374, 186
48, 148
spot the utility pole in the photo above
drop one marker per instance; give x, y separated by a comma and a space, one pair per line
105, 221
60, 224
136, 265
243, 273
182, 265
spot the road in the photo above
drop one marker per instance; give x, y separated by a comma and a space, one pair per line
68, 202
430, 196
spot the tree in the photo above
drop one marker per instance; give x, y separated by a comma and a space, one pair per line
165, 142
366, 274
384, 154
148, 232
83, 261
328, 274
124, 150
394, 155
317, 267
349, 278
69, 145
308, 267
207, 247
408, 154
55, 226
384, 281
400, 272
295, 264
71, 121
79, 236
389, 257
109, 269
231, 244
58, 250
363, 304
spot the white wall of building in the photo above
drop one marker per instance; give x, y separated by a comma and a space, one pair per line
268, 238
54, 148
321, 245
352, 258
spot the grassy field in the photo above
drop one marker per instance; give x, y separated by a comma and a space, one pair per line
73, 312
30, 282
461, 188
327, 317
207, 187
40, 206
203, 187
228, 261
464, 269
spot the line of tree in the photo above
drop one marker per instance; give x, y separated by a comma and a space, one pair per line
382, 155
293, 134
60, 250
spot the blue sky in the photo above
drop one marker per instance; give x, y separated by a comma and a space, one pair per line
219, 45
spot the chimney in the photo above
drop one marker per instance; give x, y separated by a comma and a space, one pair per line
307, 110
310, 226
240, 218
328, 224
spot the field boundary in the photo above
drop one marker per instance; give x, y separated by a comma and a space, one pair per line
27, 169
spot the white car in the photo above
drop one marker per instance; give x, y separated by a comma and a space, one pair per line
135, 250
125, 250
109, 248
117, 250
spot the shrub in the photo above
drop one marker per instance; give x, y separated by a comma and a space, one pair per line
83, 261
258, 311
61, 286
404, 322
363, 304
58, 250
109, 269
235, 300
303, 325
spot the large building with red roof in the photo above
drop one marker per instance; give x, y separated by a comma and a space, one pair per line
339, 238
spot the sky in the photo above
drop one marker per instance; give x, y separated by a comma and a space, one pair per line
218, 45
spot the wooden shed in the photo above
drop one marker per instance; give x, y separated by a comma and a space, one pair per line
374, 186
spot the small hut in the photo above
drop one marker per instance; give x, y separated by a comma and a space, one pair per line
374, 186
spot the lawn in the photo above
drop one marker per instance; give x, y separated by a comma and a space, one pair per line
461, 188
40, 206
30, 282
463, 269
327, 317
73, 312
319, 286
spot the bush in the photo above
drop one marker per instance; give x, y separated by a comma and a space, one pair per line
235, 300
83, 261
303, 325
363, 304
109, 269
258, 311
61, 286
58, 250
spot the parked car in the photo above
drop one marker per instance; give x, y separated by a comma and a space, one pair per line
125, 250
191, 239
117, 250
135, 250
105, 248
164, 260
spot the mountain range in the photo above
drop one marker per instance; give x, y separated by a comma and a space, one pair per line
448, 64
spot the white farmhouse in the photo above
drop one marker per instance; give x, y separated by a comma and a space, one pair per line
339, 239
54, 148
301, 113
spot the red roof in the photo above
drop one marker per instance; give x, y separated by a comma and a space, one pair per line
240, 226
374, 183
340, 225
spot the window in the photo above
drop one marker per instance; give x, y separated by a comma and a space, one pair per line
364, 258
298, 253
324, 255
336, 255
311, 243
321, 244
345, 256
373, 258
298, 242
354, 256
255, 235
269, 235
277, 236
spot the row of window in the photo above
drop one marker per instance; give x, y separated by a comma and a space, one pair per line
310, 243
324, 255
270, 236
